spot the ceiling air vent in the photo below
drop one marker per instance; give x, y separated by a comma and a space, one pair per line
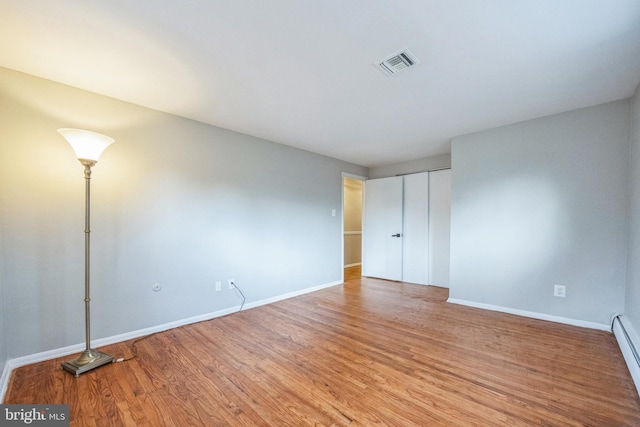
398, 62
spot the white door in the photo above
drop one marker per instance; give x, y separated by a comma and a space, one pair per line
382, 230
439, 227
415, 253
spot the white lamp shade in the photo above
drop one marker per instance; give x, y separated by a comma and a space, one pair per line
87, 145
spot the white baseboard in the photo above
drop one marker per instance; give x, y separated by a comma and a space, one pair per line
625, 341
533, 315
355, 264
291, 295
4, 380
101, 342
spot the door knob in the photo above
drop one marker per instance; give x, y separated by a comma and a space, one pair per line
396, 235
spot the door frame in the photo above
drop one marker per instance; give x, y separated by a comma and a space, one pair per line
359, 178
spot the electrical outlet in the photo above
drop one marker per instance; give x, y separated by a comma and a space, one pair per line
218, 286
560, 291
157, 287
232, 283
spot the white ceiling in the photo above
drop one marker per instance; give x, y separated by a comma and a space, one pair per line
301, 73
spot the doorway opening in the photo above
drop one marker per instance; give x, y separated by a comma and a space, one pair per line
352, 191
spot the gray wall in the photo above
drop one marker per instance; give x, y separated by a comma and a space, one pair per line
174, 201
425, 164
3, 347
632, 301
539, 203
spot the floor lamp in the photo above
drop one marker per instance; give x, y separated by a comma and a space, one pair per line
88, 147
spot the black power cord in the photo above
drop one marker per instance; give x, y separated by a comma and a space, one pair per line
241, 294
133, 348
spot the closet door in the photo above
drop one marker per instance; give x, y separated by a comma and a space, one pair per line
439, 227
415, 265
382, 229
406, 228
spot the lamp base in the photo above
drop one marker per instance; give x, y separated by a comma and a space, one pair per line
88, 360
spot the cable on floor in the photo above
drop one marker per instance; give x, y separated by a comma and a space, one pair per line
133, 348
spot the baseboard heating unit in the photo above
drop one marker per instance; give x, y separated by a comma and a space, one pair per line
629, 345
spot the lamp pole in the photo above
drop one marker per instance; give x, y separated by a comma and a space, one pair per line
79, 140
87, 251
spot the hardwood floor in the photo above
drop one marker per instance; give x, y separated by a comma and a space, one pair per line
368, 352
351, 273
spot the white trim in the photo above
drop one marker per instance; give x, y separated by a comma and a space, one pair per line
4, 379
533, 315
355, 264
620, 325
353, 233
11, 364
291, 295
354, 176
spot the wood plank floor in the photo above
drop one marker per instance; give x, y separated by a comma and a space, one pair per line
365, 353
352, 273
